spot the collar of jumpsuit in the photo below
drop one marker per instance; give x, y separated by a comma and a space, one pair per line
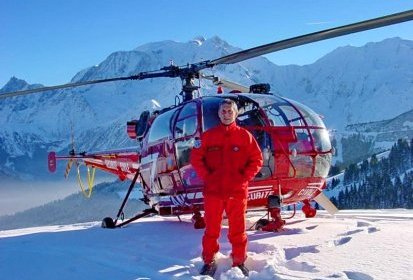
229, 126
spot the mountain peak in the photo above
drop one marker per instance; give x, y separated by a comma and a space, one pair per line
15, 84
199, 40
218, 41
397, 46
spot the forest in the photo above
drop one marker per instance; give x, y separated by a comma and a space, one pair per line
379, 183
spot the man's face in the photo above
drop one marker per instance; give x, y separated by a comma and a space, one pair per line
227, 114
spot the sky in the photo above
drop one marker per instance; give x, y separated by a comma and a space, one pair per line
353, 245
49, 41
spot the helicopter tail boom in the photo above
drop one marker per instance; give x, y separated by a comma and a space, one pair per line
122, 162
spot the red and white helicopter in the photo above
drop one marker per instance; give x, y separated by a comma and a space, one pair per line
294, 141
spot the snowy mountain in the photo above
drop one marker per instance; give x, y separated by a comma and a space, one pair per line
352, 84
16, 84
349, 85
353, 245
389, 130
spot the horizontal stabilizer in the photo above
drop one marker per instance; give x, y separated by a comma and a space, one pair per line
51, 162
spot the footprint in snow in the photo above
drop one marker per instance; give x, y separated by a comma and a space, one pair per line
370, 228
352, 275
363, 224
340, 241
291, 253
301, 266
311, 227
351, 232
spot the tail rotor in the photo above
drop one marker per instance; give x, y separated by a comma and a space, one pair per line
71, 152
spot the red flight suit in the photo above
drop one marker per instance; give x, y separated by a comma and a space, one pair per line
227, 158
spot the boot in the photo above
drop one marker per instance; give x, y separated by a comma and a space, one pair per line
208, 269
244, 269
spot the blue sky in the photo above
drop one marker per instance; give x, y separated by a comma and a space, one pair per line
49, 41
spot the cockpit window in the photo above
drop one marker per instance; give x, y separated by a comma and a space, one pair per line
186, 123
310, 116
248, 113
210, 112
249, 116
282, 111
161, 126
283, 114
321, 140
292, 116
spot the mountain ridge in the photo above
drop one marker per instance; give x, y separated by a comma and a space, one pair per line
344, 88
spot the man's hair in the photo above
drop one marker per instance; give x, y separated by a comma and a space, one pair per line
231, 102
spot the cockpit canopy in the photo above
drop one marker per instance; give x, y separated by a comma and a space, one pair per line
307, 149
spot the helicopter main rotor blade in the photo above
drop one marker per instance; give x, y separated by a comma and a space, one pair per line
70, 85
314, 37
169, 71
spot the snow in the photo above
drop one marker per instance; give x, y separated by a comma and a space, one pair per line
363, 244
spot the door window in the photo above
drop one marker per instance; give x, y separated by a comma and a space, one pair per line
161, 126
187, 120
186, 125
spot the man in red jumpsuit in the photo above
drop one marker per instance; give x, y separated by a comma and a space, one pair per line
226, 158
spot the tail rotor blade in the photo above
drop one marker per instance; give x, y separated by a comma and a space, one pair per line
68, 167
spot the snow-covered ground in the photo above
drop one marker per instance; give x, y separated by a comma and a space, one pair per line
358, 245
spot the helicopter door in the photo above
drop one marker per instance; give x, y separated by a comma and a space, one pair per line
252, 121
185, 129
156, 157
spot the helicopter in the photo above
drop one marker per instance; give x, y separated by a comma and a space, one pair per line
294, 141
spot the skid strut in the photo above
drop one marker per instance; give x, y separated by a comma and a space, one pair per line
197, 219
308, 211
108, 222
276, 223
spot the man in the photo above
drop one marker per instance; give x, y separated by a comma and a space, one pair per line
226, 158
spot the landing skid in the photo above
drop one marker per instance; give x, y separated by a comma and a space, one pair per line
108, 222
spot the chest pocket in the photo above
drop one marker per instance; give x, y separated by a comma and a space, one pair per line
238, 155
214, 156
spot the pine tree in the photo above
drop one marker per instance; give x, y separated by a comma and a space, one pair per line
335, 182
398, 187
350, 174
411, 153
373, 162
334, 170
364, 168
405, 155
408, 190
